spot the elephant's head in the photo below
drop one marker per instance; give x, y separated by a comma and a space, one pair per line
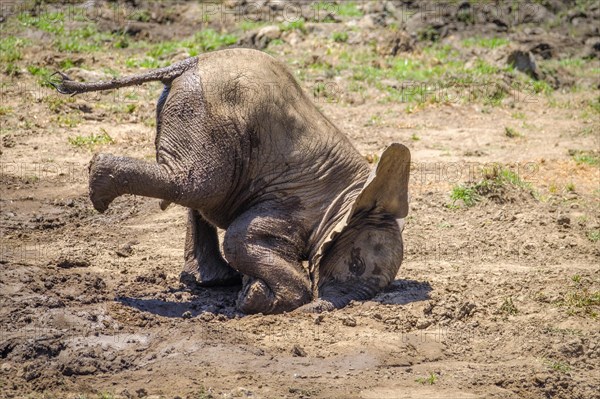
362, 254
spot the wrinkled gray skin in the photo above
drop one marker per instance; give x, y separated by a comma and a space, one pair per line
241, 146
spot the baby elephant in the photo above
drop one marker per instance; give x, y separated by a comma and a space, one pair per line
241, 146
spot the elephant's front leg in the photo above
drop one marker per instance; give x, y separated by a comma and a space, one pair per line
112, 176
266, 248
204, 264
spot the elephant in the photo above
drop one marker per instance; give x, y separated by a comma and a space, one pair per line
308, 225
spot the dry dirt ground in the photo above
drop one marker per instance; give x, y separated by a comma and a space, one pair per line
499, 292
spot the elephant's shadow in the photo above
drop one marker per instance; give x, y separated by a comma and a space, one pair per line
218, 301
221, 301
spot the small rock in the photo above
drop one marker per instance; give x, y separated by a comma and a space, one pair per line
125, 251
366, 22
69, 264
187, 314
524, 61
297, 351
423, 324
349, 321
544, 50
564, 221
265, 35
207, 316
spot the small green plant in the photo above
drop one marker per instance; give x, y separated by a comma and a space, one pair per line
348, 9
149, 63
43, 74
247, 25
508, 307
429, 34
12, 69
10, 49
415, 137
56, 103
511, 133
593, 235
489, 43
82, 40
67, 63
570, 187
121, 42
576, 278
541, 86
374, 120
467, 195
51, 22
91, 140
581, 300
430, 380
340, 37
68, 120
298, 24
203, 393
276, 42
591, 158
209, 40
497, 177
594, 104
140, 16
4, 110
557, 365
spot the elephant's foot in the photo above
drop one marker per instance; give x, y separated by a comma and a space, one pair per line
112, 176
208, 274
103, 185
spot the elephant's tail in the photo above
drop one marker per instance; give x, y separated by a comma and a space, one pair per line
165, 75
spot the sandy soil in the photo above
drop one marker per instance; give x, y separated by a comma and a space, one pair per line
495, 300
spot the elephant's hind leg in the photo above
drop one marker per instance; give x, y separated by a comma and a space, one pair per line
265, 248
204, 264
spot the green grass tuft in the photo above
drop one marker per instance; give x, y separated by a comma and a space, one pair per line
593, 235
298, 24
485, 42
340, 37
347, 9
591, 158
91, 140
468, 195
511, 133
429, 380
10, 49
42, 73
508, 307
557, 365
493, 180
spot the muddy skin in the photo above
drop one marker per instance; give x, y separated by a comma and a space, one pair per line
243, 148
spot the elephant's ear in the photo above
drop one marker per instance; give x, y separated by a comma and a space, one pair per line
387, 187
